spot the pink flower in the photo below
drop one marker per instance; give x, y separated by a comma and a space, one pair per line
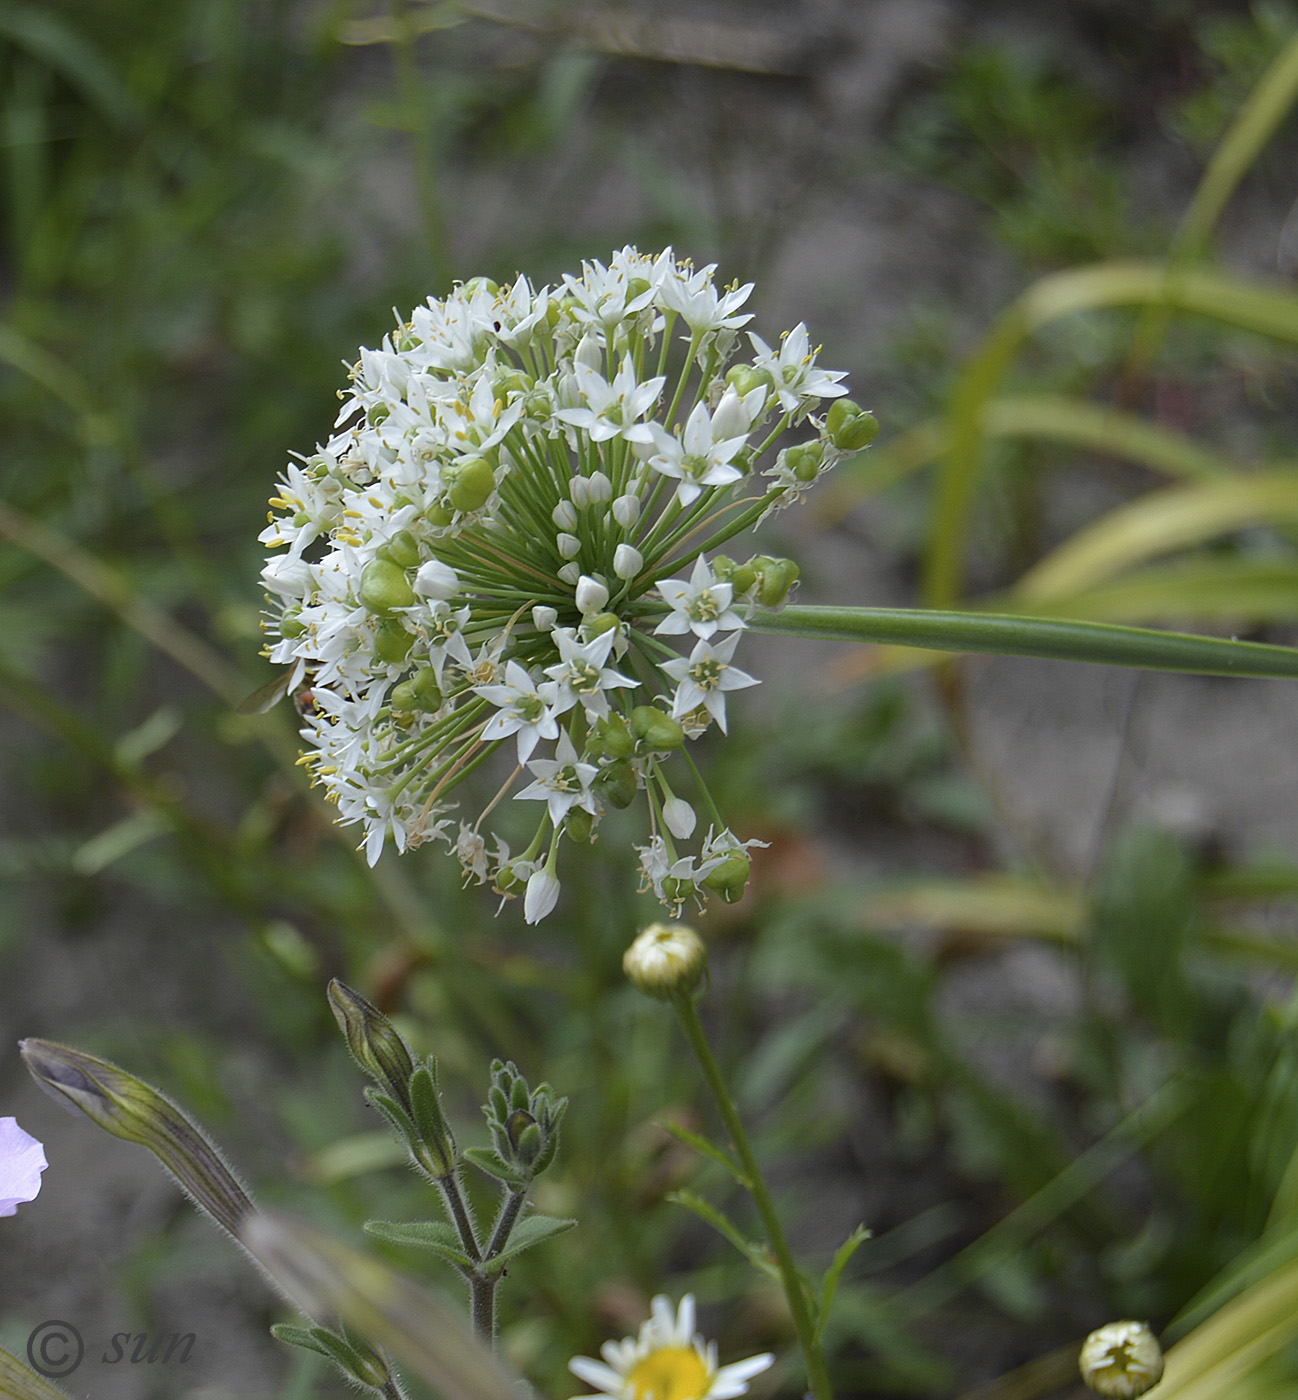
22, 1160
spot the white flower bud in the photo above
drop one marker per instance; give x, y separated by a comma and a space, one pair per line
437, 580
570, 573
590, 353
579, 490
569, 546
627, 561
599, 487
679, 817
544, 618
666, 959
1122, 1360
564, 515
592, 595
626, 510
731, 418
541, 897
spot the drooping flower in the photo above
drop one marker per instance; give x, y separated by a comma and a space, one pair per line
22, 1160
669, 1360
516, 518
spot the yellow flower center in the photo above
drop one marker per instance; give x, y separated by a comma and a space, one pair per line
670, 1373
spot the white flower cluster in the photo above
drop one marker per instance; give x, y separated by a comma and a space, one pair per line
504, 545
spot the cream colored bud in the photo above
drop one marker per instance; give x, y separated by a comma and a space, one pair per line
591, 595
564, 515
626, 510
599, 488
569, 573
569, 546
437, 580
544, 617
627, 561
666, 959
1121, 1359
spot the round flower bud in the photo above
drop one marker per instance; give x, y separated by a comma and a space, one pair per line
626, 510
564, 515
666, 960
402, 550
849, 426
544, 617
1121, 1359
437, 580
655, 729
569, 546
385, 587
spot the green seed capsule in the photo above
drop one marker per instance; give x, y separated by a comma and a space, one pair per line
291, 624
775, 578
655, 729
379, 413
849, 426
385, 587
743, 379
391, 640
579, 824
730, 877
402, 550
615, 737
805, 460
439, 515
469, 482
617, 783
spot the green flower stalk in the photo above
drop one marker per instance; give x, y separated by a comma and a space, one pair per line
508, 546
129, 1109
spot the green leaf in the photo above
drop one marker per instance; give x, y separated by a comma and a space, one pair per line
434, 1235
709, 1150
755, 1253
833, 1274
1156, 524
490, 1162
532, 1229
1014, 635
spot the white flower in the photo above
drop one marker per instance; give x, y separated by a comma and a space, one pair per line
701, 606
612, 410
562, 782
525, 709
667, 1361
798, 379
581, 673
706, 677
697, 458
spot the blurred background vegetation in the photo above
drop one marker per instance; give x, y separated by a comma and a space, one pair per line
1014, 983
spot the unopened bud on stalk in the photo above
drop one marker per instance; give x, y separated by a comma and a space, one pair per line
666, 960
132, 1110
373, 1040
1121, 1360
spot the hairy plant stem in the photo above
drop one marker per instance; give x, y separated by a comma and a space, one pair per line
817, 1375
482, 1281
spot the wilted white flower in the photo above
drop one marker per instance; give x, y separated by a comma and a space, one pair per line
507, 530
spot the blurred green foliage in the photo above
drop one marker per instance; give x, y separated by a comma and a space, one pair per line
206, 205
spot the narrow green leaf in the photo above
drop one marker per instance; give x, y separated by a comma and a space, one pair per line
1157, 523
434, 1235
490, 1162
1012, 635
709, 1150
304, 1337
19, 1382
755, 1253
532, 1229
834, 1274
